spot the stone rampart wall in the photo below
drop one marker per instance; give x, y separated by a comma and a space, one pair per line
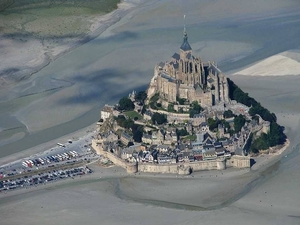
130, 167
172, 116
238, 161
158, 168
178, 168
183, 168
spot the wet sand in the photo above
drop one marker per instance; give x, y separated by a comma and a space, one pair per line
103, 69
68, 93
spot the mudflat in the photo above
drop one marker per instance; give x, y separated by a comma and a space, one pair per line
121, 59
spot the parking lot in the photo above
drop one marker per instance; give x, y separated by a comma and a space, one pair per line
42, 178
73, 153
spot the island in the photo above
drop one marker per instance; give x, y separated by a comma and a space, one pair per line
191, 118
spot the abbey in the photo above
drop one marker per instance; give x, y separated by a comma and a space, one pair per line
187, 77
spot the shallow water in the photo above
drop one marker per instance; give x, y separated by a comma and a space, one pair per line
110, 66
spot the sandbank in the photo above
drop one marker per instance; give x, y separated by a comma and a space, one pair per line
277, 65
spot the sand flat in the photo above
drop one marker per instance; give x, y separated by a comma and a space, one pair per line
80, 202
277, 65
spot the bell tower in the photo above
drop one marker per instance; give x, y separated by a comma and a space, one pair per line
185, 48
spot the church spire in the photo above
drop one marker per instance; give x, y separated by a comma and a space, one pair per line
184, 30
185, 44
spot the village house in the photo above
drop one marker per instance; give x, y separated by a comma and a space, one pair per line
132, 151
112, 147
209, 147
110, 137
162, 148
198, 155
163, 158
125, 138
148, 115
147, 138
220, 151
219, 115
170, 137
145, 156
157, 137
127, 152
228, 145
210, 155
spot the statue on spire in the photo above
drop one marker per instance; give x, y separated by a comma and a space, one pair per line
184, 30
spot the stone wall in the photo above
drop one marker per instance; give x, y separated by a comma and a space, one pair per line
172, 116
178, 168
129, 167
183, 168
158, 168
238, 162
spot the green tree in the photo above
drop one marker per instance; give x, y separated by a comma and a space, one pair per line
128, 124
260, 143
263, 112
181, 101
239, 122
226, 125
196, 106
265, 141
195, 109
182, 132
153, 101
158, 118
126, 104
171, 108
276, 135
237, 94
120, 119
228, 114
141, 96
213, 124
192, 113
137, 135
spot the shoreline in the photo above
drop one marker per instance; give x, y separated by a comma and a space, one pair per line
98, 25
79, 134
102, 23
237, 182
240, 181
264, 160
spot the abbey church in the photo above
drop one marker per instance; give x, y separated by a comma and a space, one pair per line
187, 77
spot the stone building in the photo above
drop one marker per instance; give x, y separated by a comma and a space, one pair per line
125, 138
188, 77
106, 112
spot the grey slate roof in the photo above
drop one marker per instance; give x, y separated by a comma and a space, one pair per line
176, 56
210, 80
126, 136
148, 136
185, 44
161, 64
170, 79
